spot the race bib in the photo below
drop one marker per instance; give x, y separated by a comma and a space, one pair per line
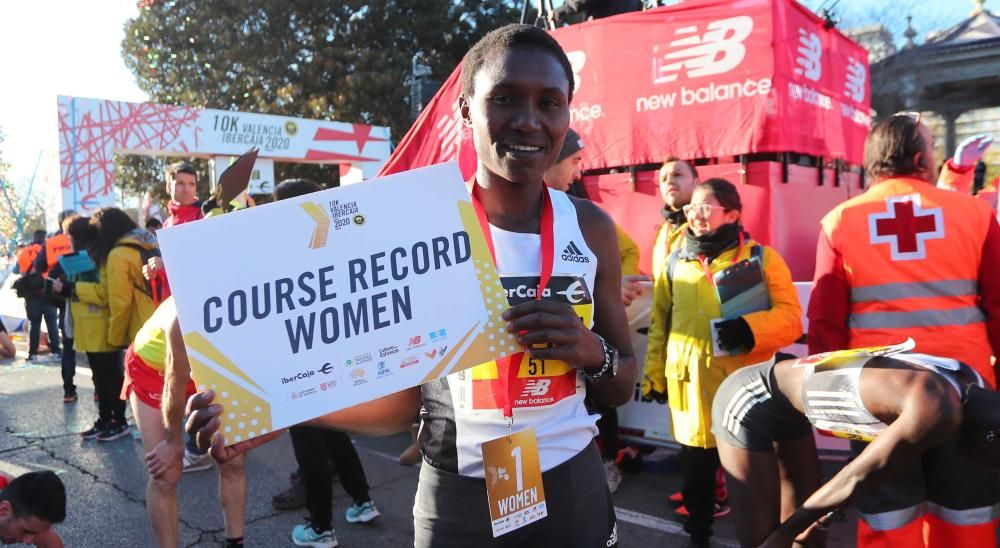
539, 383
514, 481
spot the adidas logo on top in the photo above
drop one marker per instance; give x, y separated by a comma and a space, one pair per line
573, 254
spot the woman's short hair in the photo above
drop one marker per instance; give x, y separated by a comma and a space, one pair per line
724, 191
502, 41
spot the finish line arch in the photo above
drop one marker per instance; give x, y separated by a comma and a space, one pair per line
92, 131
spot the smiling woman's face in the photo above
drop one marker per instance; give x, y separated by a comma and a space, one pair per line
519, 113
705, 214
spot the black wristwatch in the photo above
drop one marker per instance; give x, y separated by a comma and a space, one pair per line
610, 366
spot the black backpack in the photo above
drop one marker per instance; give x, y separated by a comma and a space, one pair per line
31, 284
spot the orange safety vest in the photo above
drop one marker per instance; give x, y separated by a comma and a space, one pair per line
911, 253
26, 258
55, 247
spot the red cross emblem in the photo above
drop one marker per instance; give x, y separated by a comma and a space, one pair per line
906, 226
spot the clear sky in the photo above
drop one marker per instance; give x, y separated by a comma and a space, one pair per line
50, 48
73, 47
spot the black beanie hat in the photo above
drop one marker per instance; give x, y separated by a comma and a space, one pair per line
571, 144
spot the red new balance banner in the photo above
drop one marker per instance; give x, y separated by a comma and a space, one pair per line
702, 79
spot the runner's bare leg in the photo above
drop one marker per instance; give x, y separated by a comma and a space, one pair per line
161, 495
233, 494
753, 481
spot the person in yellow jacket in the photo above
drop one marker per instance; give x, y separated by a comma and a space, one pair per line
118, 252
89, 317
122, 244
677, 179
680, 358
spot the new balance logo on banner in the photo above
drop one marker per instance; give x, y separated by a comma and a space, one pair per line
857, 76
810, 59
573, 254
449, 134
720, 49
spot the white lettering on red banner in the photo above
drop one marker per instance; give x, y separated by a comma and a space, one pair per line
857, 77
810, 58
449, 133
719, 50
581, 115
704, 95
577, 59
810, 96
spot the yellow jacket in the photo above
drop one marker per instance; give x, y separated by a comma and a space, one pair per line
666, 240
90, 313
124, 287
629, 252
679, 357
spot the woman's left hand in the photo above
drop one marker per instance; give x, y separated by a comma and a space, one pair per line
559, 328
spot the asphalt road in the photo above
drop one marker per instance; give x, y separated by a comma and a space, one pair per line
106, 481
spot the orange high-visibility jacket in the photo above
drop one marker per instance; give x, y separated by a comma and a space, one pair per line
55, 247
905, 259
26, 257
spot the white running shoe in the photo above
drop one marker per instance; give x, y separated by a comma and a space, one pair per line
194, 463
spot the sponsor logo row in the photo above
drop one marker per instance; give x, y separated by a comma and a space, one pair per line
368, 366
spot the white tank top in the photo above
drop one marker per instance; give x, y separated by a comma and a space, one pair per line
461, 412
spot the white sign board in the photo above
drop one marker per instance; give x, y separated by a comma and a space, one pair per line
316, 303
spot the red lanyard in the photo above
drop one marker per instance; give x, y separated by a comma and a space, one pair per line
507, 367
708, 270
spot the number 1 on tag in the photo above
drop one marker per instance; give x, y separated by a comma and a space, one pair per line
514, 481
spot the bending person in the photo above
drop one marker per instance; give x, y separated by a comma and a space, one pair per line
157, 383
29, 505
923, 413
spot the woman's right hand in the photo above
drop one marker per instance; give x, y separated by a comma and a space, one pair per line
203, 423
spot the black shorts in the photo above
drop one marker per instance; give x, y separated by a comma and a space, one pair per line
452, 511
747, 414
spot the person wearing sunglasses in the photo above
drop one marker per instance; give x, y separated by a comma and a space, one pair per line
696, 339
908, 260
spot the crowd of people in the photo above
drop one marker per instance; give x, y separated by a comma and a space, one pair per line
926, 425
